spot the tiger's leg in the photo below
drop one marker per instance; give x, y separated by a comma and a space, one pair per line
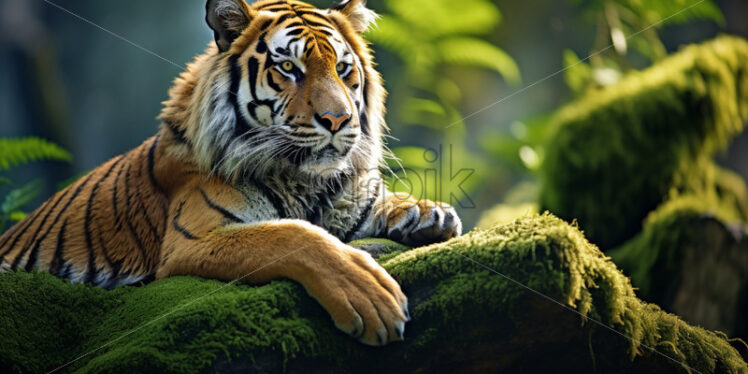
363, 300
413, 222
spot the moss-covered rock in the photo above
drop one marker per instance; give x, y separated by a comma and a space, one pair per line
508, 298
692, 259
615, 155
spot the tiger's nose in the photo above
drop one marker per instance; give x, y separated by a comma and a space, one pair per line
333, 122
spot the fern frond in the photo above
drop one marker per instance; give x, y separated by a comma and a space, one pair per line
21, 196
17, 151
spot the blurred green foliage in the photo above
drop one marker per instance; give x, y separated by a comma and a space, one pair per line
15, 152
626, 31
430, 38
626, 40
616, 155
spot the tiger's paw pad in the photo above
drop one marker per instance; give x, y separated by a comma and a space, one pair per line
423, 222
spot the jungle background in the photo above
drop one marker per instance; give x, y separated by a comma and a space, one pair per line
95, 95
623, 117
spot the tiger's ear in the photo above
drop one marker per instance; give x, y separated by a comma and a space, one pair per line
227, 18
360, 17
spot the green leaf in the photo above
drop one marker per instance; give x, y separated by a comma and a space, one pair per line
19, 197
414, 157
478, 53
17, 151
429, 113
577, 73
681, 11
18, 216
4, 180
394, 35
438, 18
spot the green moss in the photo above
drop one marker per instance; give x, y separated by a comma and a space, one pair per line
691, 258
657, 251
615, 155
382, 249
467, 312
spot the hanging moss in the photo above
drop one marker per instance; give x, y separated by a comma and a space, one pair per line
692, 259
468, 315
614, 155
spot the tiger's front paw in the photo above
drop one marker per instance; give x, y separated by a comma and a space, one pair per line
418, 223
361, 297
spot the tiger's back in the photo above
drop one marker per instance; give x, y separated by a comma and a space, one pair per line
105, 229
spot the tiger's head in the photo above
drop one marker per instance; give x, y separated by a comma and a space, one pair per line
285, 85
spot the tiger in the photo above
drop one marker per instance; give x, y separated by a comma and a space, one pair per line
266, 162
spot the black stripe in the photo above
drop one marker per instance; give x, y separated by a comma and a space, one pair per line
324, 31
262, 47
180, 229
130, 227
26, 223
58, 260
241, 126
144, 211
304, 134
364, 122
294, 24
91, 271
34, 237
179, 134
272, 83
33, 256
274, 199
59, 214
364, 117
266, 24
253, 66
276, 9
295, 31
228, 215
268, 5
152, 164
362, 217
283, 18
114, 192
146, 217
316, 25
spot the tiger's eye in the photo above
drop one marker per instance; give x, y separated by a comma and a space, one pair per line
287, 65
340, 67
